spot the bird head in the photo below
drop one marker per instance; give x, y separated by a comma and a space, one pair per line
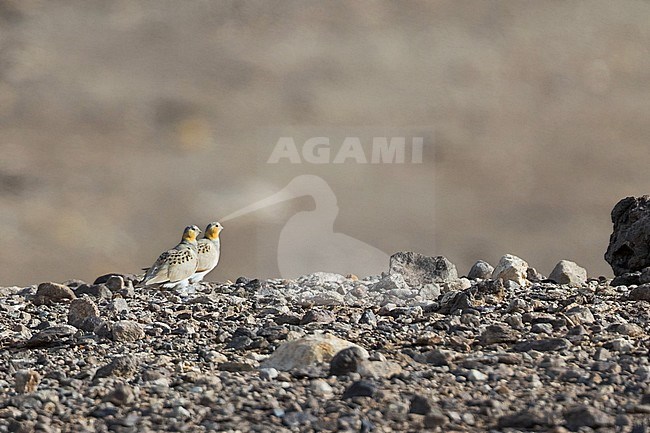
212, 231
190, 233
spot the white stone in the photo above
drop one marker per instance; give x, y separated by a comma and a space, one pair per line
306, 351
567, 272
511, 268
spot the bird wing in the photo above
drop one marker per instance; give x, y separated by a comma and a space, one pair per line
157, 273
184, 263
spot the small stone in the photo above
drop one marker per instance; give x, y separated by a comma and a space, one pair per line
544, 345
580, 315
321, 388
53, 334
629, 329
52, 293
268, 373
368, 318
602, 354
26, 381
119, 306
420, 405
626, 279
418, 269
390, 282
321, 298
347, 360
317, 316
233, 366
526, 419
378, 369
620, 345
452, 302
430, 292
437, 357
239, 342
121, 395
476, 376
435, 418
179, 412
307, 351
123, 366
480, 270
498, 333
644, 278
640, 293
83, 314
542, 328
127, 331
569, 273
360, 388
511, 268
585, 416
115, 283
98, 291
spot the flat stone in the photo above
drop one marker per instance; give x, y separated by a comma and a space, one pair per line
586, 416
498, 333
418, 269
544, 345
52, 293
127, 331
361, 388
526, 419
317, 316
378, 369
54, 334
121, 366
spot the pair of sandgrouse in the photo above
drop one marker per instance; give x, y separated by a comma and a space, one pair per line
189, 261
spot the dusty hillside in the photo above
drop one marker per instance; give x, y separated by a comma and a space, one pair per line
123, 122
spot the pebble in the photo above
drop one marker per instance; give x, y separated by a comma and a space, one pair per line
569, 273
511, 268
481, 355
127, 331
52, 293
417, 269
83, 314
26, 381
480, 271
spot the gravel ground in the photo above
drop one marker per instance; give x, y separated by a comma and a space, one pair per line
416, 348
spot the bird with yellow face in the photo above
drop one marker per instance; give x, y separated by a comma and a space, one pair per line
209, 250
174, 268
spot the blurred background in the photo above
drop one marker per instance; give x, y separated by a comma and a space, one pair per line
123, 121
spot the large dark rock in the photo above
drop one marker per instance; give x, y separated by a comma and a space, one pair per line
629, 243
